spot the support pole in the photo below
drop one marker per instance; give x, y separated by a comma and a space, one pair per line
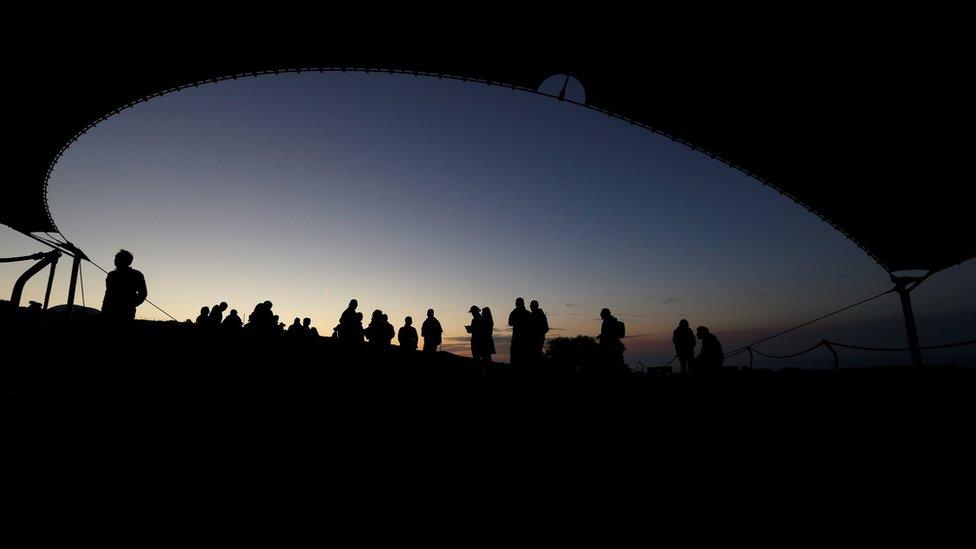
904, 292
75, 264
833, 353
50, 282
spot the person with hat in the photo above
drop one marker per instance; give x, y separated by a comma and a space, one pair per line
476, 329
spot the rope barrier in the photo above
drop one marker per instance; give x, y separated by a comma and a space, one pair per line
895, 349
797, 327
831, 344
760, 353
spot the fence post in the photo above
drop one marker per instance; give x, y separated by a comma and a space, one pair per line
833, 352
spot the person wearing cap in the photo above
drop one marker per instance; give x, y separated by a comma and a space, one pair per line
476, 329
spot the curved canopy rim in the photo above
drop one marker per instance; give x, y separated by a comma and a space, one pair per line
404, 72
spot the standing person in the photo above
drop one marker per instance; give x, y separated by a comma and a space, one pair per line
539, 327
477, 330
389, 332
684, 344
488, 323
376, 330
611, 348
125, 289
431, 332
407, 336
519, 320
347, 328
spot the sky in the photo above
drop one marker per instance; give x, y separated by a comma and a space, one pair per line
411, 193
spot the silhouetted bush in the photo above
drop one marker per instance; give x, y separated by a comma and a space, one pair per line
568, 354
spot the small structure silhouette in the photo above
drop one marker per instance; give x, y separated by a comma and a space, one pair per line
684, 344
431, 332
125, 289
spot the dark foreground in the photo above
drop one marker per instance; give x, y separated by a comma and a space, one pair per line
167, 371
380, 444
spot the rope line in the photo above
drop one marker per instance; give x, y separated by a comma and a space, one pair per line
760, 353
926, 348
797, 327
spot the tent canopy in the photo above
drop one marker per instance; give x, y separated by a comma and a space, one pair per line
863, 137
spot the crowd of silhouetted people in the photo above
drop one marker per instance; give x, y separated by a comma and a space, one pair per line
125, 289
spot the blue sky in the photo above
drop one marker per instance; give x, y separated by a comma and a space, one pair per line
409, 193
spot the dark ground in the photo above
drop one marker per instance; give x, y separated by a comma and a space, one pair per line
169, 370
178, 428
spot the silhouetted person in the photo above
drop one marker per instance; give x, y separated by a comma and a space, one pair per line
489, 330
538, 328
376, 332
520, 321
611, 346
296, 329
358, 332
389, 332
407, 336
307, 328
232, 321
125, 289
477, 331
217, 313
203, 319
263, 321
431, 332
711, 357
350, 325
684, 344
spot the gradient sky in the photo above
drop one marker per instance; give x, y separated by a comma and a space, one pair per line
409, 193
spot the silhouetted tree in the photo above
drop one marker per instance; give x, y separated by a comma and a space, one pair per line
573, 354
